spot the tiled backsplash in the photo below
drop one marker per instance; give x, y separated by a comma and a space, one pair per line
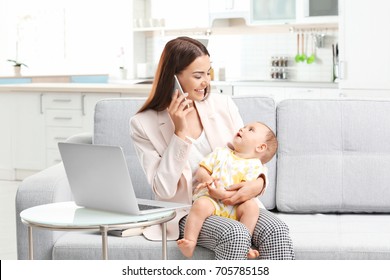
249, 56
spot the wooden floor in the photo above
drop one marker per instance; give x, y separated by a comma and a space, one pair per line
8, 220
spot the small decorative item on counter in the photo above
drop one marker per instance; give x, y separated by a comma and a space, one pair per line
279, 61
280, 64
279, 73
123, 73
212, 74
17, 67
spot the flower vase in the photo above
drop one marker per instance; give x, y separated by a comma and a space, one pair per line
17, 71
123, 73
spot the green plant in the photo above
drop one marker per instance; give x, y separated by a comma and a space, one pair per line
17, 63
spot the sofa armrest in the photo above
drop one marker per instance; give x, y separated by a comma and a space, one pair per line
81, 138
48, 186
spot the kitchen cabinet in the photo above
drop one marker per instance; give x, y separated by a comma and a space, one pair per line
223, 9
63, 118
222, 88
89, 101
277, 93
32, 124
6, 125
152, 15
67, 114
311, 93
364, 45
317, 11
29, 143
263, 11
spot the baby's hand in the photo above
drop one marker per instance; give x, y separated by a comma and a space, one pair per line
200, 186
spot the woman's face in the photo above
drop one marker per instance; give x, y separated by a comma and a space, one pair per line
196, 78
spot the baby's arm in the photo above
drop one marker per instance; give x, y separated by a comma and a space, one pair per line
203, 175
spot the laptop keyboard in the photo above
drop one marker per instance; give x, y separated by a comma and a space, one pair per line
147, 207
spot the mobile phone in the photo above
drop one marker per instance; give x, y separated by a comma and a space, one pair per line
178, 86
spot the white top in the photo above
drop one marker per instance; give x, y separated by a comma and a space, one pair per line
200, 148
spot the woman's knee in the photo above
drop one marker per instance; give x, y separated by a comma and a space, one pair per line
234, 242
236, 229
268, 222
269, 227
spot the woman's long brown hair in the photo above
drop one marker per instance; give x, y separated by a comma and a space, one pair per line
176, 56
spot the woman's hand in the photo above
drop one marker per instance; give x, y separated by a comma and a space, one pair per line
218, 192
245, 191
178, 110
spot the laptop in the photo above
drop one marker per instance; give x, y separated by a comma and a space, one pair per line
99, 179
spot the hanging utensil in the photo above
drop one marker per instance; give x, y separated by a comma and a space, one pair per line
303, 55
312, 57
298, 56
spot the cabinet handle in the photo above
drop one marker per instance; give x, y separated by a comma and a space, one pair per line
83, 104
60, 138
62, 100
341, 69
63, 118
41, 103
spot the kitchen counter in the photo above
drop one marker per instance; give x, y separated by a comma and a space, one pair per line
132, 88
128, 89
276, 83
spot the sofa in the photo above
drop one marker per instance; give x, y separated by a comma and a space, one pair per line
330, 181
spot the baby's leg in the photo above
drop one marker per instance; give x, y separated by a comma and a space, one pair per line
200, 210
248, 214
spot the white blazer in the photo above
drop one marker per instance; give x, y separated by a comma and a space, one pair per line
164, 156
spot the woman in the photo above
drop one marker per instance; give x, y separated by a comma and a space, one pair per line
172, 132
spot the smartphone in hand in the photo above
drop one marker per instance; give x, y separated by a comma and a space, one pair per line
178, 86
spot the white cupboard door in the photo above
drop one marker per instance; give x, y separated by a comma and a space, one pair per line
29, 132
88, 102
179, 14
364, 44
6, 125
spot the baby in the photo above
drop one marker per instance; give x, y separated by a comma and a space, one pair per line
252, 146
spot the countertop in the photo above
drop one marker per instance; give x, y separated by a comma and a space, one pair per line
139, 90
142, 89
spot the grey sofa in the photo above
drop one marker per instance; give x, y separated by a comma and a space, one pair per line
330, 182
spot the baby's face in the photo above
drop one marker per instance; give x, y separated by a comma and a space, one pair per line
249, 137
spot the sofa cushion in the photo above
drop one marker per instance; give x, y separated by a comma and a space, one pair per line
334, 156
339, 236
88, 246
111, 127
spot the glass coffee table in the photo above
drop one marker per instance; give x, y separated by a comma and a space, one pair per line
67, 216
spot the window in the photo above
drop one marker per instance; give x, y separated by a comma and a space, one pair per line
66, 37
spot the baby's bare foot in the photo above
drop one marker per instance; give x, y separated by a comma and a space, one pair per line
186, 246
253, 254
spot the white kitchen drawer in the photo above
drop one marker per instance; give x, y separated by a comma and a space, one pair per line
277, 93
302, 91
53, 157
223, 89
59, 134
61, 101
64, 118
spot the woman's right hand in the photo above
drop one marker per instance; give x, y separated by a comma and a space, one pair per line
178, 110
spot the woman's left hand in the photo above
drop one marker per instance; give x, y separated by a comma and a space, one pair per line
245, 191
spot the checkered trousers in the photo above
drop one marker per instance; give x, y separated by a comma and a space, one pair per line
231, 240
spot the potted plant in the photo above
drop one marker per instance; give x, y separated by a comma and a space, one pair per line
17, 66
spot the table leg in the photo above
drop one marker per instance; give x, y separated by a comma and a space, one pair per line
164, 241
103, 231
30, 244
